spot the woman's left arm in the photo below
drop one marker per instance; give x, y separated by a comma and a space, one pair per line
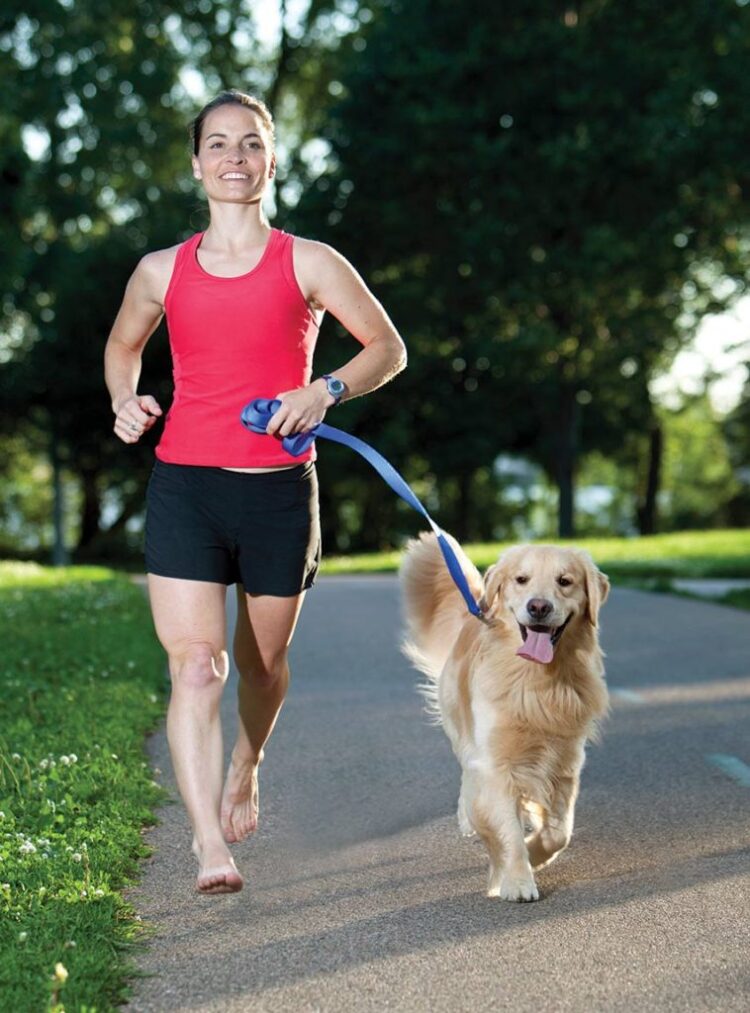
329, 282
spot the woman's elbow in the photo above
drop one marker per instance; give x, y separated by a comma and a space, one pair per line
400, 356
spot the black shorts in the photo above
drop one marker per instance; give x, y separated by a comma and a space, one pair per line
259, 529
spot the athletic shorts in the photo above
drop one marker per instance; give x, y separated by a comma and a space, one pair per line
259, 529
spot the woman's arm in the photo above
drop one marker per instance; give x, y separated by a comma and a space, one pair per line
139, 315
329, 282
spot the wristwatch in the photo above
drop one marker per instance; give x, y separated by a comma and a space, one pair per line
336, 388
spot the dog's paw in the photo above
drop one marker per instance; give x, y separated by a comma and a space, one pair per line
464, 826
544, 846
519, 890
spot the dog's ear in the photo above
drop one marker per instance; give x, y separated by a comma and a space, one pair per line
597, 588
493, 582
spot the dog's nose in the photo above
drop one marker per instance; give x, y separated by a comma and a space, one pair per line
539, 608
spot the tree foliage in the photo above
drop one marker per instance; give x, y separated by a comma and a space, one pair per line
540, 192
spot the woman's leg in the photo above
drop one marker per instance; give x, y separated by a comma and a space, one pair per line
190, 623
265, 625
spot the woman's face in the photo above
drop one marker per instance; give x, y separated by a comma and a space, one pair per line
235, 158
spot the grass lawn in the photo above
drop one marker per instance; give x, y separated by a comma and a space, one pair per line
685, 554
81, 679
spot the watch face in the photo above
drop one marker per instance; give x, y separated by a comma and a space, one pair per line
335, 387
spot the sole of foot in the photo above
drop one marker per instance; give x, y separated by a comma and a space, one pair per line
239, 804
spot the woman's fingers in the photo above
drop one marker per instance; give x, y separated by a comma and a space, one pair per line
136, 416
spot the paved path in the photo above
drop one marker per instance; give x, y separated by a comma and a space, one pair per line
361, 896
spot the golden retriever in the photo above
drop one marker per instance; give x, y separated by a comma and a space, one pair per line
517, 694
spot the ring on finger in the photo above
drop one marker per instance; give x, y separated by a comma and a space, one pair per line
133, 427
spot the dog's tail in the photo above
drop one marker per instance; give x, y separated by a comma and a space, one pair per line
434, 609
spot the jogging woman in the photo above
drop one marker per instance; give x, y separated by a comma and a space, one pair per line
243, 304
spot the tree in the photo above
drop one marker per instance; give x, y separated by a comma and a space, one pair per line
539, 192
699, 481
103, 100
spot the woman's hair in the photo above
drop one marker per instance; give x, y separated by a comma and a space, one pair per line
231, 97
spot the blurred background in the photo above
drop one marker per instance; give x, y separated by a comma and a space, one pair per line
550, 198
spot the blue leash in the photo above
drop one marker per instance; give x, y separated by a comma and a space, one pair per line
256, 416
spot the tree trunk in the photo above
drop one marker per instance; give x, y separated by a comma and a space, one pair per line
463, 507
647, 508
59, 552
567, 452
91, 509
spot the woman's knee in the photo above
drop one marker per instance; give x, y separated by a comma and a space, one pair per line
198, 666
264, 670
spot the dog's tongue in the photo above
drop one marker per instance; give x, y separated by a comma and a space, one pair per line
537, 647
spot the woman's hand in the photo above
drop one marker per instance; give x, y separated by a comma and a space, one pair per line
134, 416
300, 410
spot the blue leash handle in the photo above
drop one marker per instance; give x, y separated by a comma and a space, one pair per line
256, 416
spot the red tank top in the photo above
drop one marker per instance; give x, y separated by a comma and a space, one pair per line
232, 340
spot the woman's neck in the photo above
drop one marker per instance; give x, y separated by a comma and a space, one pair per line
236, 226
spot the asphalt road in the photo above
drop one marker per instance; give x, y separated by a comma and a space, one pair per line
360, 894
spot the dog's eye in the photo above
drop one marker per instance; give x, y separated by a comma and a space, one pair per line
564, 581
522, 580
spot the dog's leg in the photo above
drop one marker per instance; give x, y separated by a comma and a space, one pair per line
546, 843
496, 816
464, 806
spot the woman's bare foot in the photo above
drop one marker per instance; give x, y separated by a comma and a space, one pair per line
239, 801
218, 873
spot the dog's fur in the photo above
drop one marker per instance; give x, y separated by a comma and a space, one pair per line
517, 727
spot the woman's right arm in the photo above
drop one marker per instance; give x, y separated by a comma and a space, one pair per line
139, 315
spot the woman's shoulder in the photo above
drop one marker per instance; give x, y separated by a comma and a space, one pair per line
159, 261
154, 271
311, 254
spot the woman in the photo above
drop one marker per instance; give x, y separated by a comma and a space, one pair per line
243, 304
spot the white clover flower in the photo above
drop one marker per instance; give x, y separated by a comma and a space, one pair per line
65, 761
2, 815
114, 756
70, 944
27, 848
43, 764
61, 974
15, 756
22, 937
76, 856
73, 758
98, 893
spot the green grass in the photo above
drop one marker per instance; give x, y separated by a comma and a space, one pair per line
81, 682
685, 554
739, 599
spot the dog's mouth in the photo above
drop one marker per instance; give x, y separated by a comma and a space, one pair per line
539, 642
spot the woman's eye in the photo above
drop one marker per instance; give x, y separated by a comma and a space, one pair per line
522, 580
564, 581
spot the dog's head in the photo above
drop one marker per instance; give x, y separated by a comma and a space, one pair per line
545, 589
